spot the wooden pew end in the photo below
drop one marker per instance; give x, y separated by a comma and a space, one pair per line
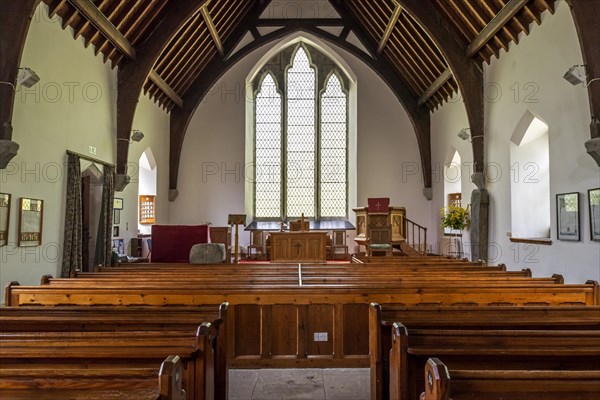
437, 381
558, 278
170, 379
46, 279
527, 271
7, 292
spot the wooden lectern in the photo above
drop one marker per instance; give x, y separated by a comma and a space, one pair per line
236, 219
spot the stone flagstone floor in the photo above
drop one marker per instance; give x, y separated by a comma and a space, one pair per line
305, 384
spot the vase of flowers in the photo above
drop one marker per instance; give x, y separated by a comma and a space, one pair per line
457, 219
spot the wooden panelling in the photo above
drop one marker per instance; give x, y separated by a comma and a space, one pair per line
319, 319
248, 330
356, 329
284, 331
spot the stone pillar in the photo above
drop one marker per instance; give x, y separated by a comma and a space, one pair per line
480, 204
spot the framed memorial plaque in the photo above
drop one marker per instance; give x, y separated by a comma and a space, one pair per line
31, 217
594, 202
4, 217
567, 213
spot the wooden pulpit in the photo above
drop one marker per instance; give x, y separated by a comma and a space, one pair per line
390, 216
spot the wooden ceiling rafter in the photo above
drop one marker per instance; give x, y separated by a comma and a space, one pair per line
390, 27
86, 22
165, 88
103, 24
477, 15
496, 24
111, 16
212, 28
143, 24
186, 38
53, 9
418, 115
279, 22
132, 76
467, 72
121, 26
186, 52
181, 117
506, 30
420, 58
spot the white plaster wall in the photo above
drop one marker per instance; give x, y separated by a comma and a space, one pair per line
72, 107
212, 169
536, 67
446, 122
69, 109
530, 184
154, 123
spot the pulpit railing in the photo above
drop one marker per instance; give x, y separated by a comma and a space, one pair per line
415, 236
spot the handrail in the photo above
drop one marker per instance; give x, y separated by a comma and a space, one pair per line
417, 241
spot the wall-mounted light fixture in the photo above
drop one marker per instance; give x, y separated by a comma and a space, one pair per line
136, 135
465, 135
25, 77
577, 75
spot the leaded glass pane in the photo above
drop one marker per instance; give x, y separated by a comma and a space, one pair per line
300, 137
268, 151
334, 141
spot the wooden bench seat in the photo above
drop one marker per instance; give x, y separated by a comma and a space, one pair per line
515, 384
162, 383
73, 325
156, 294
131, 349
381, 319
490, 349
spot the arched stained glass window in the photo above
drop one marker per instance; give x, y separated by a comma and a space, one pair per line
301, 141
268, 149
334, 149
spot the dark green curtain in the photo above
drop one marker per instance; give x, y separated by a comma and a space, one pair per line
103, 254
72, 252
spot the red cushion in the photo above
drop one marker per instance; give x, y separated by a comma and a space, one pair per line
172, 243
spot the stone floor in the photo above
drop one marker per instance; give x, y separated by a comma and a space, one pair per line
290, 384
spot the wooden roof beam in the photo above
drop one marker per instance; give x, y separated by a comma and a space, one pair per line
419, 115
287, 21
390, 27
504, 15
133, 74
16, 28
586, 15
212, 29
166, 89
88, 9
435, 86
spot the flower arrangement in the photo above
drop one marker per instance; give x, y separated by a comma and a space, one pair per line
455, 217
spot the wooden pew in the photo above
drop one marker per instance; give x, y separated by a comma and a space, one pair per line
129, 349
490, 349
157, 294
107, 322
381, 320
514, 384
356, 279
95, 384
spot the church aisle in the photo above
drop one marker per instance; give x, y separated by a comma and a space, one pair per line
288, 384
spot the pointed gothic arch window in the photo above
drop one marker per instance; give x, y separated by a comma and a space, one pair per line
301, 140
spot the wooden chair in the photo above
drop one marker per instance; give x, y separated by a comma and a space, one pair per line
256, 243
339, 242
